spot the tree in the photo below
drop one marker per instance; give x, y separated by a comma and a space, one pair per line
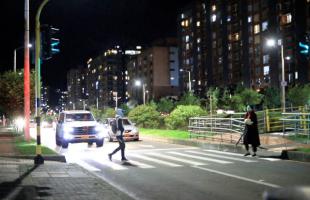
225, 100
165, 105
271, 98
178, 119
245, 97
189, 99
213, 98
98, 114
145, 116
12, 92
299, 95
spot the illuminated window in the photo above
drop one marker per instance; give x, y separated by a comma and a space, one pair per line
187, 38
296, 75
264, 25
265, 59
198, 40
213, 7
182, 16
249, 19
198, 23
187, 46
266, 70
286, 19
228, 18
213, 18
184, 23
256, 29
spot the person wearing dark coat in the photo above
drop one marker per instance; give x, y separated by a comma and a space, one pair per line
120, 139
251, 135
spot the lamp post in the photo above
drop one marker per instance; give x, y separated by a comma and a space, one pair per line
189, 79
139, 83
272, 43
21, 47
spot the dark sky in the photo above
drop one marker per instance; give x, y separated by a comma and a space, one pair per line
87, 28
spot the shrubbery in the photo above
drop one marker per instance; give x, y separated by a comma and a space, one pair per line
178, 119
145, 116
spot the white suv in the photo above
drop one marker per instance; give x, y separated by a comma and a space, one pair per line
79, 126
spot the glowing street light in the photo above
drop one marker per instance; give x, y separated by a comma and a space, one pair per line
272, 43
138, 83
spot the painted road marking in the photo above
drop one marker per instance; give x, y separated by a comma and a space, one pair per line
86, 166
140, 165
201, 158
237, 177
220, 156
176, 159
156, 160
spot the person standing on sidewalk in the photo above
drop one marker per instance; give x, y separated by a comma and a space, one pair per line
251, 135
120, 139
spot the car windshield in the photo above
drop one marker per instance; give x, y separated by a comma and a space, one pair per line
79, 117
126, 122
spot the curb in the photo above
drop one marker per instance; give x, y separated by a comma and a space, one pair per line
57, 158
295, 155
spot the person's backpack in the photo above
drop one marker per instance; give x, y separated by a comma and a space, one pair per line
113, 126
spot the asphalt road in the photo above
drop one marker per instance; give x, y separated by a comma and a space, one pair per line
167, 171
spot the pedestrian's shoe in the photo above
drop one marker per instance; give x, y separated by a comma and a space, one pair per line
124, 159
254, 154
246, 154
110, 156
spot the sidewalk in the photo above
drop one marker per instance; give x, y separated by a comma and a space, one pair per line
21, 179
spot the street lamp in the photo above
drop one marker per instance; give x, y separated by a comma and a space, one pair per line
189, 79
272, 43
21, 47
139, 83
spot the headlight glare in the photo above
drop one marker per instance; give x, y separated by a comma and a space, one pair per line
68, 129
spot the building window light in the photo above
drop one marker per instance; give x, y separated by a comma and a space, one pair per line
266, 70
184, 23
286, 19
250, 19
198, 23
213, 17
264, 25
187, 38
256, 29
198, 40
182, 16
229, 18
213, 7
296, 75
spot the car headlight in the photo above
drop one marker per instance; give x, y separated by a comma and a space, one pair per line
101, 131
68, 129
68, 136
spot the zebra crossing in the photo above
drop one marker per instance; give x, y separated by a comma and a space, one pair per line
152, 159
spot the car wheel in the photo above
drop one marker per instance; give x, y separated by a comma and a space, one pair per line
136, 139
64, 144
99, 143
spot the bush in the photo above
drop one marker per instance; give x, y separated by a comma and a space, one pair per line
145, 116
178, 119
165, 105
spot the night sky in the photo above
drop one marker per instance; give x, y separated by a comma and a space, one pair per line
87, 27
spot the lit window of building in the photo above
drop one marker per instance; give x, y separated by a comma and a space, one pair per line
266, 70
187, 38
264, 25
182, 16
256, 29
187, 46
184, 23
213, 7
250, 19
198, 23
265, 59
286, 19
296, 75
213, 17
229, 18
198, 40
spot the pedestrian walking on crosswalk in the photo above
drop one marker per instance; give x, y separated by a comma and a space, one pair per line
119, 137
251, 135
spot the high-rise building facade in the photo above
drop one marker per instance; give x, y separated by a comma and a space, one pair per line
107, 77
157, 68
224, 43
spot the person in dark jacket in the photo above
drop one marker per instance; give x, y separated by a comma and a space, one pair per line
120, 139
251, 135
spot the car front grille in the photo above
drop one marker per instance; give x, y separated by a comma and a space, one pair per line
85, 130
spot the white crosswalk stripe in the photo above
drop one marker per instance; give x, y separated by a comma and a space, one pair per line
86, 166
140, 164
201, 158
241, 155
177, 159
110, 164
221, 156
156, 160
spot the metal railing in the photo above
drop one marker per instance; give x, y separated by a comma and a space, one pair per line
216, 128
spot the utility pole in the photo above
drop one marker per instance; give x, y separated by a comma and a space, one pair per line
26, 74
38, 159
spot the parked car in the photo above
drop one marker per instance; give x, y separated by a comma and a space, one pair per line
131, 132
79, 126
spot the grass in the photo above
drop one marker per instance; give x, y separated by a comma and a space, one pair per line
299, 138
29, 148
175, 134
305, 150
